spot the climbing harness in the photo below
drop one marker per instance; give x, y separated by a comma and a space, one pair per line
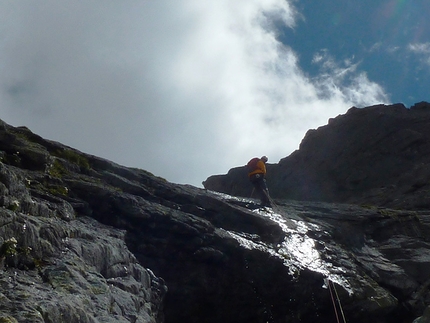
327, 281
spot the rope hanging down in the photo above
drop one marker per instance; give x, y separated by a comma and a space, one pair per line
334, 301
329, 283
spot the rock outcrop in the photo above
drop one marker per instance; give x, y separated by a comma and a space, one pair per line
377, 155
56, 264
86, 240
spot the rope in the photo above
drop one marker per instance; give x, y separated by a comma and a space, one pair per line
272, 202
275, 207
334, 302
340, 305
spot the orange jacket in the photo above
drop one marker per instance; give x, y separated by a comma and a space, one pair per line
261, 169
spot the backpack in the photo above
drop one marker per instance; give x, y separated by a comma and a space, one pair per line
252, 164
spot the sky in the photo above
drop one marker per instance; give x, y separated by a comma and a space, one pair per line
191, 88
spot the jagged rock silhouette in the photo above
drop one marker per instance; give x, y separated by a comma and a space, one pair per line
377, 155
83, 239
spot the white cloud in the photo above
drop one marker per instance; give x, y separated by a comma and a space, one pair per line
376, 47
422, 50
184, 89
393, 49
342, 81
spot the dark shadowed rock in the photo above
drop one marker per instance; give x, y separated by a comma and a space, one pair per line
83, 239
376, 155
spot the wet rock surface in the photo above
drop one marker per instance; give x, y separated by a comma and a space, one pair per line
86, 240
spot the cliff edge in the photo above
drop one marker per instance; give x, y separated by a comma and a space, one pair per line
378, 155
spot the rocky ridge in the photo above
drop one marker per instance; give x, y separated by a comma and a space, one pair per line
377, 155
86, 240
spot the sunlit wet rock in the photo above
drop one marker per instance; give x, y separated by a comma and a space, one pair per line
99, 242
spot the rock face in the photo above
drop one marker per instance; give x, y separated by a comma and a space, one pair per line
376, 155
86, 240
56, 264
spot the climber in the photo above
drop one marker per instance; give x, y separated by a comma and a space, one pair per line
257, 172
